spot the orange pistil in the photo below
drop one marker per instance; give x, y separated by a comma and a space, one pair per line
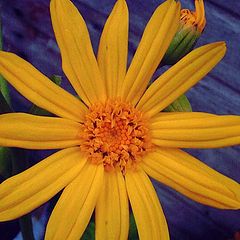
195, 19
115, 134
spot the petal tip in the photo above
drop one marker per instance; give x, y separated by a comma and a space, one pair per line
223, 47
122, 4
179, 6
220, 43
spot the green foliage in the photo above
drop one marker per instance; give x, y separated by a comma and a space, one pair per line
182, 43
89, 233
5, 162
182, 104
133, 233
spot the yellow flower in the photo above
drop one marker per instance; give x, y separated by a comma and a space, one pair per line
117, 135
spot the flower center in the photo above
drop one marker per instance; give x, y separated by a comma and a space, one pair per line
116, 135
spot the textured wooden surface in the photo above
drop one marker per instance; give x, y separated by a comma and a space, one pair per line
28, 32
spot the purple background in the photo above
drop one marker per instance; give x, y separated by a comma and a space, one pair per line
27, 31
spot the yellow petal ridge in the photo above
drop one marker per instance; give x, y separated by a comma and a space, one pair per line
78, 60
156, 38
112, 213
39, 89
28, 190
200, 14
149, 217
192, 178
113, 49
37, 132
180, 77
212, 132
78, 201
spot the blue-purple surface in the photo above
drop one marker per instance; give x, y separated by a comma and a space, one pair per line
28, 32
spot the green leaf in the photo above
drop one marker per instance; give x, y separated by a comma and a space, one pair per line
89, 233
182, 104
4, 89
4, 106
56, 79
133, 233
5, 162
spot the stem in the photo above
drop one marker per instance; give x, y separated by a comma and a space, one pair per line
4, 106
25, 223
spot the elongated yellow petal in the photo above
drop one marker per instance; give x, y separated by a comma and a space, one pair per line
147, 210
113, 47
112, 213
205, 131
39, 89
173, 116
26, 191
35, 132
182, 76
200, 14
192, 178
75, 206
155, 40
78, 60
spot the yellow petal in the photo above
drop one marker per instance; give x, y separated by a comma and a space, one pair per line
205, 131
35, 132
192, 178
113, 47
179, 78
28, 190
112, 213
170, 116
149, 217
200, 14
155, 41
76, 204
39, 89
78, 60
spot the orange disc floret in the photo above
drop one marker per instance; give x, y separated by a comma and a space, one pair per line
194, 18
115, 134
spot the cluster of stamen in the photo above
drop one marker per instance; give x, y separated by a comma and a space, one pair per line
194, 19
188, 17
115, 134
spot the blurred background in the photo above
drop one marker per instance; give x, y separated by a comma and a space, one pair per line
27, 31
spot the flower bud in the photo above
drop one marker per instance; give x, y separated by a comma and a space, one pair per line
192, 24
